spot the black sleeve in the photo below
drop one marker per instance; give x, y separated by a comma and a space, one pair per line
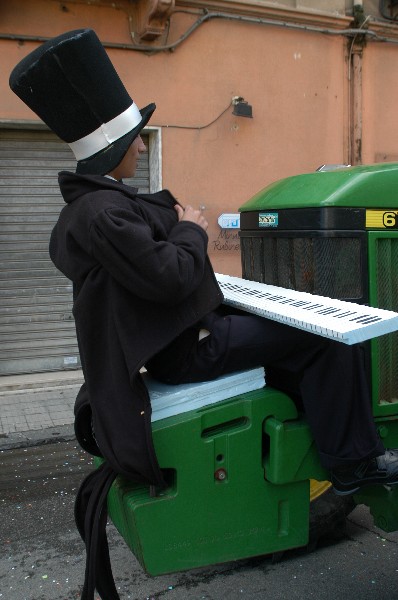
163, 271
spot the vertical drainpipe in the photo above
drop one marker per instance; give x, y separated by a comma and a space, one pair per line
356, 105
355, 58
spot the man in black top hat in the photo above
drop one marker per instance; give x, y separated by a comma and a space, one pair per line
145, 293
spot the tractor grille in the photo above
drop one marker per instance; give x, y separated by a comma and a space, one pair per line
328, 266
386, 256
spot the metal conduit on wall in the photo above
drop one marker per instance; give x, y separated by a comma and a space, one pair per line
205, 16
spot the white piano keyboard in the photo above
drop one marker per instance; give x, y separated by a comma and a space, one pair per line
342, 321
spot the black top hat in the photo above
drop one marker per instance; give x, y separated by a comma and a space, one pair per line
71, 84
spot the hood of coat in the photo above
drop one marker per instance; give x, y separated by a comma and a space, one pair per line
73, 185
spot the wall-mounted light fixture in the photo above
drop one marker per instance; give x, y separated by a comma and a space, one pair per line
241, 107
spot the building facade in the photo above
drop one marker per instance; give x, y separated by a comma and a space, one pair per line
319, 78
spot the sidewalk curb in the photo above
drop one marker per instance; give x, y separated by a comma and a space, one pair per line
39, 437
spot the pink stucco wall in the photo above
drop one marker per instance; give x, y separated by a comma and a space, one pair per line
380, 101
296, 82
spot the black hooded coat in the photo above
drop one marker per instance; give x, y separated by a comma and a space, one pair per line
141, 278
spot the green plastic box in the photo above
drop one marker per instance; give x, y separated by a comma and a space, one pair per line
228, 497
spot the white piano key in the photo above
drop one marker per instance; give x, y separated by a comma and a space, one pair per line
343, 321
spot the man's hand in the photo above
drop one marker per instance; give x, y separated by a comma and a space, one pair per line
191, 214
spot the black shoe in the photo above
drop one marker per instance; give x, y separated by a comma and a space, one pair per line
380, 470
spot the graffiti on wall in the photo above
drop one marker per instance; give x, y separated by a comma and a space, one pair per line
228, 236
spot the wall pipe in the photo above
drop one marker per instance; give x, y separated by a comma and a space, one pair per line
207, 16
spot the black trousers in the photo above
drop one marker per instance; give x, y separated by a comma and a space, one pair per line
327, 379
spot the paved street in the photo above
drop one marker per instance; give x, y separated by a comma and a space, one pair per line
42, 555
36, 407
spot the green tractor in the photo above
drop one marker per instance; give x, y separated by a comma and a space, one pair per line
244, 476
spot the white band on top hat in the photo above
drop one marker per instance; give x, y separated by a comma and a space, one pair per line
107, 133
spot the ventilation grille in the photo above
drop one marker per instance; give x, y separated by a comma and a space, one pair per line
387, 298
328, 266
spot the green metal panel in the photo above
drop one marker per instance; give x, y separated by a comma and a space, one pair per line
383, 500
292, 455
220, 504
363, 186
383, 293
238, 474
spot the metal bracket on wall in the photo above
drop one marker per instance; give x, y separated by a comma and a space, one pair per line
150, 19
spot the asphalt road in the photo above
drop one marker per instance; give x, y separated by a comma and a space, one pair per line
42, 556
